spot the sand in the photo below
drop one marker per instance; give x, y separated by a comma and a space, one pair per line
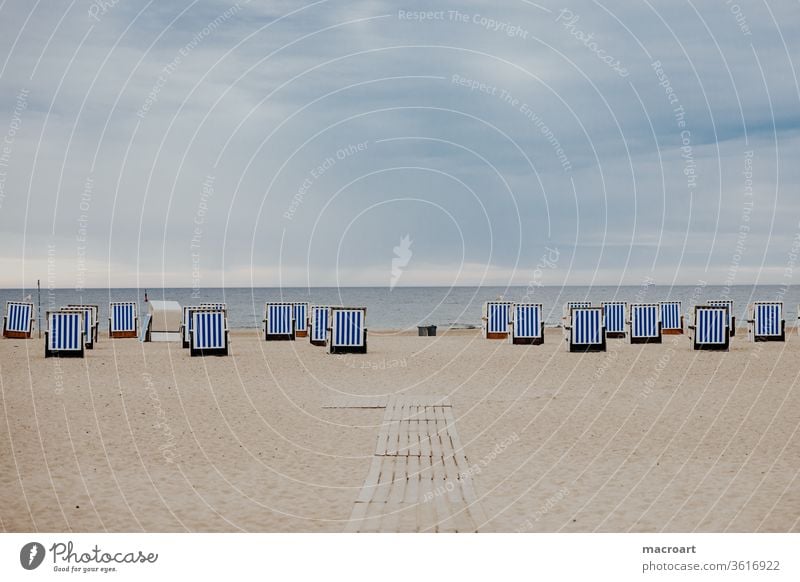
141, 437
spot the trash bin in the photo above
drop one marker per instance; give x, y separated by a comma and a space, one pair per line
426, 330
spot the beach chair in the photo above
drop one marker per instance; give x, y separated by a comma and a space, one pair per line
644, 321
122, 320
586, 331
527, 324
301, 319
495, 319
671, 318
209, 333
614, 313
710, 329
279, 321
187, 321
64, 335
91, 325
320, 321
348, 330
731, 317
18, 320
765, 322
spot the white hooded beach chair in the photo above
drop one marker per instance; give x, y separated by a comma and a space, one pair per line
279, 321
348, 330
320, 322
765, 322
64, 335
18, 320
671, 318
91, 324
644, 321
301, 319
495, 319
731, 317
586, 331
614, 313
122, 320
710, 329
209, 333
527, 324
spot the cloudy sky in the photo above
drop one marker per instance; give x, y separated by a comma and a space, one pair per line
280, 143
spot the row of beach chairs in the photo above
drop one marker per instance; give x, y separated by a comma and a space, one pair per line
71, 329
342, 329
587, 327
205, 331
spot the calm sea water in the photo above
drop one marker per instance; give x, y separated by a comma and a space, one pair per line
407, 307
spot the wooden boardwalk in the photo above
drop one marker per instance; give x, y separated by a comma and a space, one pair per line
420, 479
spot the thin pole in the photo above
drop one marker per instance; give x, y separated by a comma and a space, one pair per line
39, 307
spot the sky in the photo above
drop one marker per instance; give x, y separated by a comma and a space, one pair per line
205, 144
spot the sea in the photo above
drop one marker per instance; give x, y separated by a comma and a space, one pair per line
404, 308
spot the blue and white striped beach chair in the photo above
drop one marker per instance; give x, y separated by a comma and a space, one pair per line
348, 330
527, 324
122, 320
64, 335
614, 313
301, 319
671, 318
18, 320
279, 321
90, 322
710, 330
731, 317
495, 319
644, 320
320, 322
766, 323
209, 333
586, 331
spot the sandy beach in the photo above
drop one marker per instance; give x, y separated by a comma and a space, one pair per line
646, 438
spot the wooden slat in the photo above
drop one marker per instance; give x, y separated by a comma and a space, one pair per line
412, 485
419, 478
371, 482
357, 518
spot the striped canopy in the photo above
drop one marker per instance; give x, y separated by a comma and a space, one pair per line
348, 326
19, 316
65, 330
497, 316
671, 315
710, 325
122, 316
614, 312
280, 318
644, 320
301, 316
768, 318
527, 320
587, 326
208, 330
320, 316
